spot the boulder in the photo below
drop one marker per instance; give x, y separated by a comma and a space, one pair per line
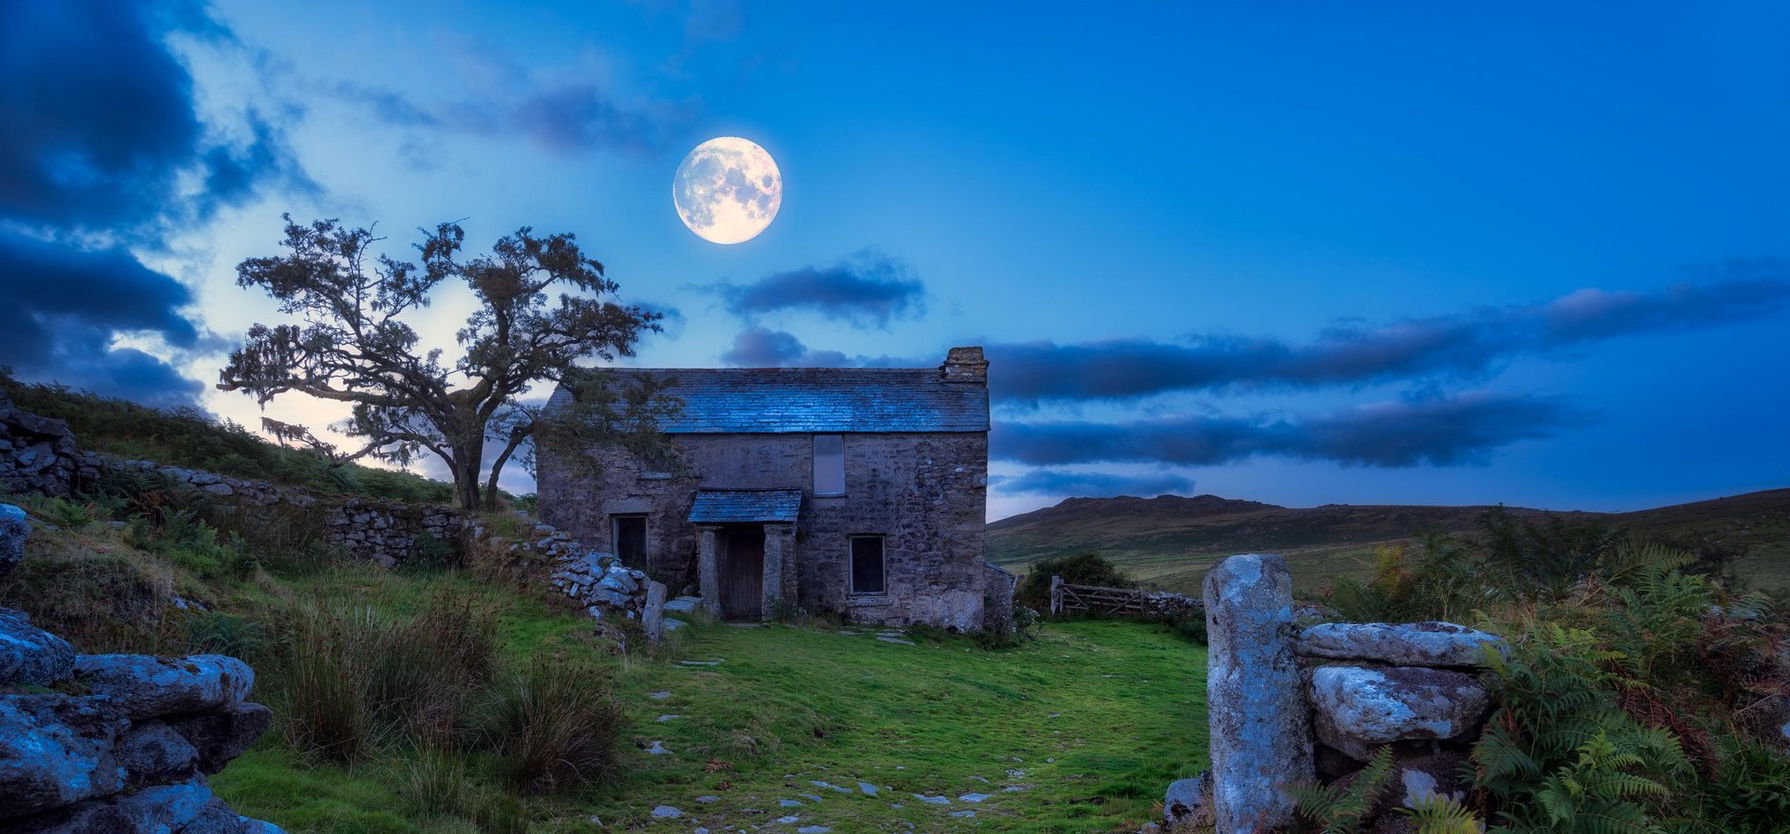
150, 687
56, 750
1431, 775
1356, 709
1260, 733
1188, 802
188, 808
29, 654
1401, 644
221, 736
13, 531
152, 752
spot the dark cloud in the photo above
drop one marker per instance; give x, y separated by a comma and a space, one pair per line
65, 305
1462, 346
867, 287
1424, 429
756, 347
1092, 484
102, 141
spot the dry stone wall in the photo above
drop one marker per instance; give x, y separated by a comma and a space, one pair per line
131, 752
1291, 705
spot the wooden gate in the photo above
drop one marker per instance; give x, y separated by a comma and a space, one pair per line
1094, 599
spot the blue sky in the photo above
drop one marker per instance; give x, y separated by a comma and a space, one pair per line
1300, 253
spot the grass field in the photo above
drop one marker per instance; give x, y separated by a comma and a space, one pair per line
1077, 731
1170, 542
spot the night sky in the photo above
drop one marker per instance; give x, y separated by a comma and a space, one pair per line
1298, 253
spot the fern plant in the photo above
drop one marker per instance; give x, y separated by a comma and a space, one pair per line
1439, 814
1341, 809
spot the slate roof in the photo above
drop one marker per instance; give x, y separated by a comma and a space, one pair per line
824, 400
725, 506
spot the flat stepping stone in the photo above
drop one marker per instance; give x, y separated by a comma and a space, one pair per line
974, 797
665, 718
659, 695
895, 640
666, 812
867, 788
1014, 788
809, 796
813, 829
788, 803
963, 813
683, 605
708, 799
699, 663
657, 749
933, 800
789, 819
828, 785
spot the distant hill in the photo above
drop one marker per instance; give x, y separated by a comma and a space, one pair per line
1171, 540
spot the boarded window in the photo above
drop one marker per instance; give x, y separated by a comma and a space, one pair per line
867, 565
829, 464
630, 539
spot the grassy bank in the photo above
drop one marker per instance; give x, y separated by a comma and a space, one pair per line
1077, 730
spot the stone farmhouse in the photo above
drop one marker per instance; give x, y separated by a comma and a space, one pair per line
856, 491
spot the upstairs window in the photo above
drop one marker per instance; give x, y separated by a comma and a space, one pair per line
829, 464
867, 565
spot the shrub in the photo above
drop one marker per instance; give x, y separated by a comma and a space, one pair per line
1084, 568
352, 679
552, 729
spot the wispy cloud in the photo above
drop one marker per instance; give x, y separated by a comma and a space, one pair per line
563, 109
1091, 484
1420, 429
1464, 346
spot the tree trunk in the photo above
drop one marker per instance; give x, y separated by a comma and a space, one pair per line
516, 438
467, 457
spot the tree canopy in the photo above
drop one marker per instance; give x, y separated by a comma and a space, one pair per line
543, 306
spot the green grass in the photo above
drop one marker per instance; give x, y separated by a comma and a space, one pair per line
1098, 717
1095, 718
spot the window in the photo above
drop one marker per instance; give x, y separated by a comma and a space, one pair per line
829, 464
630, 539
867, 565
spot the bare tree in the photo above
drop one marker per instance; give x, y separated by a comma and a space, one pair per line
350, 344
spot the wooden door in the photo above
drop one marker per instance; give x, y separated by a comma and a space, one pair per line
742, 574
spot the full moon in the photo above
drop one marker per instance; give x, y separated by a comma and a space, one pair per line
727, 190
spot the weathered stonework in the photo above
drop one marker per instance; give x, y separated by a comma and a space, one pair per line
1260, 727
923, 491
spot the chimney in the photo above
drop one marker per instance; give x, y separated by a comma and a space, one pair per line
965, 364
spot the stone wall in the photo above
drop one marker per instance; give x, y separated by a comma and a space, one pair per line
128, 755
1291, 705
37, 454
40, 455
924, 491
